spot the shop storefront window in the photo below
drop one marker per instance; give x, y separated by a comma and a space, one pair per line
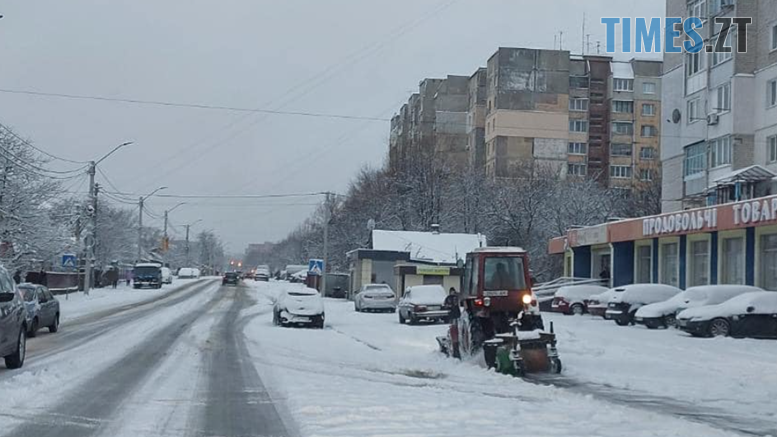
733, 257
699, 263
768, 267
669, 263
644, 264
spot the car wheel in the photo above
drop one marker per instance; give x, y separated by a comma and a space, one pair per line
719, 328
54, 327
33, 328
401, 319
578, 309
411, 319
621, 321
670, 321
16, 360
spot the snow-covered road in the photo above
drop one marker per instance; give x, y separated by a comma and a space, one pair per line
366, 375
199, 359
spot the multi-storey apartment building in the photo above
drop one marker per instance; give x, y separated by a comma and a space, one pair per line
719, 140
579, 116
527, 110
434, 121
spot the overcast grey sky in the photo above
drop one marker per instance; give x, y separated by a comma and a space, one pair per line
361, 57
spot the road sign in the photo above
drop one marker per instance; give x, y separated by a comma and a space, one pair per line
315, 267
69, 261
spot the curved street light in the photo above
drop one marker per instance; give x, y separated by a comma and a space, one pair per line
140, 218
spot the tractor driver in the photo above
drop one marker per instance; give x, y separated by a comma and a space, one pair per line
501, 279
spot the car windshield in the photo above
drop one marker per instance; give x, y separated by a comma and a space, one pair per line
146, 271
504, 273
28, 293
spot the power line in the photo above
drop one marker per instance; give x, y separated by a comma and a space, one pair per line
29, 144
229, 196
20, 164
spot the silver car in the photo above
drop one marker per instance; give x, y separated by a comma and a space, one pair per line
423, 302
375, 297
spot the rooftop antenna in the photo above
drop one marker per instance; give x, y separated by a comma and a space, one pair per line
561, 40
588, 43
555, 41
598, 47
582, 41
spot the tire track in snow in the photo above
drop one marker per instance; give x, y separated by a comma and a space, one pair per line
238, 403
714, 417
84, 411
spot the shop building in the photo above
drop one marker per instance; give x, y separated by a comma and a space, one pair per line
734, 243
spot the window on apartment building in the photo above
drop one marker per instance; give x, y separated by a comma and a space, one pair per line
578, 125
774, 37
578, 82
646, 174
771, 93
698, 8
694, 110
623, 84
648, 109
695, 159
717, 5
619, 149
649, 131
623, 128
623, 106
647, 153
694, 63
577, 148
719, 58
649, 88
722, 98
576, 169
772, 143
620, 171
578, 104
720, 151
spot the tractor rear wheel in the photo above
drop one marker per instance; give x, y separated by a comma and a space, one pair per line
471, 335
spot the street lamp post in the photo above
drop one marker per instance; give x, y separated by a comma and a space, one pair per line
89, 241
141, 200
166, 242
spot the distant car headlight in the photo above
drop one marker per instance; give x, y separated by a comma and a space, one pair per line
526, 299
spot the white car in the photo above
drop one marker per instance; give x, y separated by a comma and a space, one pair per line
628, 299
188, 273
299, 306
663, 314
573, 299
375, 297
423, 302
747, 315
167, 276
597, 304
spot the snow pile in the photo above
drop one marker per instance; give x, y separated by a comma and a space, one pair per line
428, 246
641, 294
427, 295
759, 302
579, 293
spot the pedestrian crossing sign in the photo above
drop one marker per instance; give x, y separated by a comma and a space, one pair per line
69, 261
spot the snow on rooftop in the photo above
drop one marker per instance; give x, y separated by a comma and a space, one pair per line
622, 70
427, 246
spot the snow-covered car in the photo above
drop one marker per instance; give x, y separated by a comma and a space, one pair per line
188, 273
423, 302
626, 300
597, 304
299, 306
299, 277
663, 314
42, 308
167, 276
747, 315
13, 322
573, 299
375, 297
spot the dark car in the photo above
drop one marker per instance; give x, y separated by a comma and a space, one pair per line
42, 308
628, 299
747, 315
232, 278
13, 322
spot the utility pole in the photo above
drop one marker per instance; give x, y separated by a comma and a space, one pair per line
327, 218
187, 244
140, 228
89, 239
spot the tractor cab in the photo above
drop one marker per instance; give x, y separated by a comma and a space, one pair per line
497, 280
